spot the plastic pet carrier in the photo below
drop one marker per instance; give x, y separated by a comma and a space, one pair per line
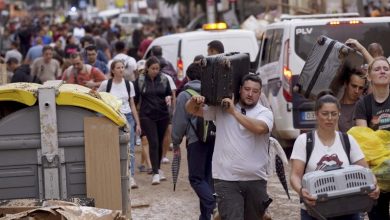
340, 191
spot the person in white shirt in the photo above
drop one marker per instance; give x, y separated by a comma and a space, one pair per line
14, 52
119, 89
240, 153
327, 151
130, 62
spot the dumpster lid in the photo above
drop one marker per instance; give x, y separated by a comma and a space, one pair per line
25, 93
76, 95
69, 94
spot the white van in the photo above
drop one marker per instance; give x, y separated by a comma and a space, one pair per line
284, 49
131, 21
181, 48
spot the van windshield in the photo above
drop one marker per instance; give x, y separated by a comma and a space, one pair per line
368, 33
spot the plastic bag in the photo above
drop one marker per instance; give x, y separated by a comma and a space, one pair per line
374, 144
376, 148
382, 173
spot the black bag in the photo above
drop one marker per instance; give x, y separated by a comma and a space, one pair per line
325, 67
221, 76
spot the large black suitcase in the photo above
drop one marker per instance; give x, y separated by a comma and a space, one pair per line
221, 76
326, 66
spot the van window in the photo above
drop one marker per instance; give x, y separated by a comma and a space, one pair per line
272, 46
305, 36
276, 45
124, 20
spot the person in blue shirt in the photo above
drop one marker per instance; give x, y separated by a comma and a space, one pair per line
91, 52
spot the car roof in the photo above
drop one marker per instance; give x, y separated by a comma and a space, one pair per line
202, 33
323, 21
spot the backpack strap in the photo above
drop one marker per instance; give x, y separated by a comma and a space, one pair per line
164, 80
192, 93
346, 144
368, 105
309, 146
141, 83
127, 83
109, 84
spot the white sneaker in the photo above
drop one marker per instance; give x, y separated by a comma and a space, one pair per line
156, 179
133, 184
162, 176
138, 141
165, 160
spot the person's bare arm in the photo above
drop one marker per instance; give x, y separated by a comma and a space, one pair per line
173, 100
356, 45
361, 123
135, 115
297, 171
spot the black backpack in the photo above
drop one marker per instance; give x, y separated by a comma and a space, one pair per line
310, 144
204, 130
109, 85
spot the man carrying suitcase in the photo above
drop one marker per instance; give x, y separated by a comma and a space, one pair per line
240, 152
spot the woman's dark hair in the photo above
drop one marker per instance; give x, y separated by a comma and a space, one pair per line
251, 77
112, 66
150, 61
326, 97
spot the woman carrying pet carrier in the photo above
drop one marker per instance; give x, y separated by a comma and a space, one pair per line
327, 150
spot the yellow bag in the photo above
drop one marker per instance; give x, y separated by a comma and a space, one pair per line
376, 148
382, 173
374, 144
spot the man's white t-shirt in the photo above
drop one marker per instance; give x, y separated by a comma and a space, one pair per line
239, 155
323, 156
120, 91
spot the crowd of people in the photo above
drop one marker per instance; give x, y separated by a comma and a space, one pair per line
228, 169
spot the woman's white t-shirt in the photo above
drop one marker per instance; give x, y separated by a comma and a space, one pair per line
119, 90
323, 156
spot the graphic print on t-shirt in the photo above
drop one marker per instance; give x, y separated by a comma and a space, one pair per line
328, 160
382, 120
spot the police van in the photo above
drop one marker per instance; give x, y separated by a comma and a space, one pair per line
181, 48
285, 47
